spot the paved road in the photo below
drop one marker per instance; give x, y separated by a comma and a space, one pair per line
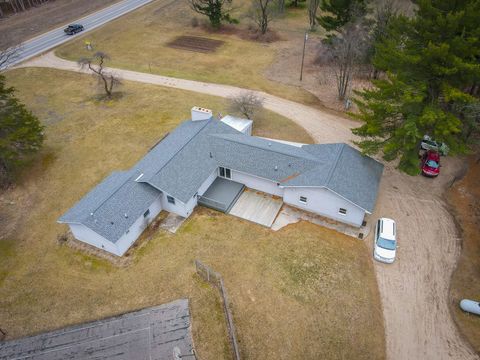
414, 290
53, 38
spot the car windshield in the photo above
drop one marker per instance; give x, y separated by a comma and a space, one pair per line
432, 164
430, 142
386, 244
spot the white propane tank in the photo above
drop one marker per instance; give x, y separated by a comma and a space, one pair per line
470, 306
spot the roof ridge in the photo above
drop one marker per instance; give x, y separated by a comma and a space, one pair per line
113, 193
176, 153
335, 163
308, 157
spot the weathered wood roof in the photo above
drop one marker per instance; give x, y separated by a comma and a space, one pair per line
152, 333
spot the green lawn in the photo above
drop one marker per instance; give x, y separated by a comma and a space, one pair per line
304, 292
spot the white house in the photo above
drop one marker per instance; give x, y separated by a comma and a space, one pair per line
333, 180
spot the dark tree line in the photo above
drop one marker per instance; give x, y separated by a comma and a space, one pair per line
425, 72
15, 6
21, 134
430, 85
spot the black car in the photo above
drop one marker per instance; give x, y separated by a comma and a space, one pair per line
73, 29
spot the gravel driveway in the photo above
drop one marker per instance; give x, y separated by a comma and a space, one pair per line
414, 290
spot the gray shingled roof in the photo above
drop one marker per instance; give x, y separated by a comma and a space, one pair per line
167, 148
204, 145
180, 163
338, 167
190, 167
356, 177
112, 207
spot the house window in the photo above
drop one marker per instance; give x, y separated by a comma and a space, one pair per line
303, 199
171, 200
342, 211
226, 173
146, 213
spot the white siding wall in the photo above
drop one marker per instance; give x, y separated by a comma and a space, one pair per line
177, 208
124, 243
257, 183
89, 236
248, 130
190, 205
324, 202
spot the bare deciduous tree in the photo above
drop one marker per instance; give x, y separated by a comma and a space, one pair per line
345, 54
246, 104
312, 13
281, 6
96, 64
262, 13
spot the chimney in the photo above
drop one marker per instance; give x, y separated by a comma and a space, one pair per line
199, 113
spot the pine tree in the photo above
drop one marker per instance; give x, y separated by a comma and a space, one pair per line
432, 62
337, 13
21, 133
215, 10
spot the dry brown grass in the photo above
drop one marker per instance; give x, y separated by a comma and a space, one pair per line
303, 292
139, 41
465, 198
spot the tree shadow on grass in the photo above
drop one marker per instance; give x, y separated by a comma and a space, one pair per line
108, 99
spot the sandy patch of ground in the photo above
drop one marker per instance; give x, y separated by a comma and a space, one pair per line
316, 79
464, 197
415, 288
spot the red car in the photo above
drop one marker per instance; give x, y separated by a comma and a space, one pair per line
431, 163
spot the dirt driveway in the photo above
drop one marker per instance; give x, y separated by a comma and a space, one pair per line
414, 289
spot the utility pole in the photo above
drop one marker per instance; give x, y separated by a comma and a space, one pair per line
303, 54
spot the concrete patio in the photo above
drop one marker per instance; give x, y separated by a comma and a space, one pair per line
291, 215
172, 222
257, 207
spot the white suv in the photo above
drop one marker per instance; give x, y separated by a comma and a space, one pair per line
385, 246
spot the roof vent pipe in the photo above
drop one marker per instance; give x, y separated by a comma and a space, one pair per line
276, 167
126, 216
